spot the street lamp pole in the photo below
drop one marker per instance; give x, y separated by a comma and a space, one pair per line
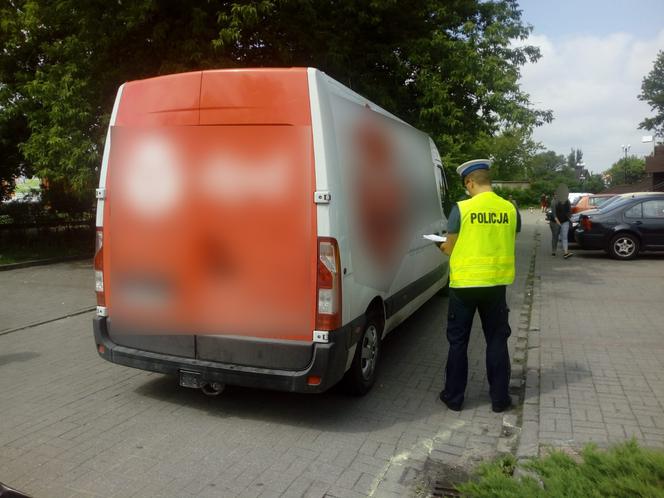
625, 149
582, 175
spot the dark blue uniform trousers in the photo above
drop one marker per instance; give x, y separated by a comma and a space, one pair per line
492, 307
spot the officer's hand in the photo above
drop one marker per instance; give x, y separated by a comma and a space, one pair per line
446, 247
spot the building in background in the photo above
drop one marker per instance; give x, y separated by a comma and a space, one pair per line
655, 168
511, 185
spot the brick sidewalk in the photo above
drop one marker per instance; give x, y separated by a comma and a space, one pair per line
73, 425
598, 373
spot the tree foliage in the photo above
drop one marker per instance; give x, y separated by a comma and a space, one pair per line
449, 67
627, 171
652, 92
546, 164
512, 151
547, 169
594, 184
574, 158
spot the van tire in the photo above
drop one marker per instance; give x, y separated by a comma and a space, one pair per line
361, 375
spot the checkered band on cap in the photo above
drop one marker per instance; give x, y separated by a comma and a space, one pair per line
474, 165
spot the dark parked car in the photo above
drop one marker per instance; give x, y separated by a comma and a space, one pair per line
604, 205
626, 227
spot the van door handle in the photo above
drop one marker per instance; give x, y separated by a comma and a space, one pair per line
638, 222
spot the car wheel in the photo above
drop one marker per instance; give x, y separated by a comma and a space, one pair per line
624, 246
362, 372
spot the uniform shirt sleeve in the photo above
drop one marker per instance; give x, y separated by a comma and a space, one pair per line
454, 220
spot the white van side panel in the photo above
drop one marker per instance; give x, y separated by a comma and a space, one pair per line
323, 152
335, 110
329, 217
104, 160
396, 319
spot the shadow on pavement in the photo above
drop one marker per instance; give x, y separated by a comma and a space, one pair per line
560, 376
594, 255
5, 359
397, 395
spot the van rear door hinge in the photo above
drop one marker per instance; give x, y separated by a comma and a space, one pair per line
322, 197
100, 193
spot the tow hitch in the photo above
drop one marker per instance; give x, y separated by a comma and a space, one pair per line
194, 380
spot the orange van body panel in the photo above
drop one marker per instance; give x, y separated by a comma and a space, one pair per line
172, 100
210, 213
259, 96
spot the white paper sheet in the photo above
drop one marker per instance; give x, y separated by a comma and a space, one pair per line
435, 238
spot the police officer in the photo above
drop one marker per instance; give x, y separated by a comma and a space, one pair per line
480, 242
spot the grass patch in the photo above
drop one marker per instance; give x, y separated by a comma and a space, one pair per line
625, 470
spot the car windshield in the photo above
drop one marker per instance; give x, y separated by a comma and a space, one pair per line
618, 201
611, 202
603, 201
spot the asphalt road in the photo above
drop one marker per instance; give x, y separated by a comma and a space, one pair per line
73, 425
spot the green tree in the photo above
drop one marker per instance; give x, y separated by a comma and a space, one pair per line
574, 157
512, 151
594, 184
548, 170
13, 131
448, 67
546, 165
626, 171
652, 92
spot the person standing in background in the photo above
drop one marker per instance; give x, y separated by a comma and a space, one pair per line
562, 214
553, 225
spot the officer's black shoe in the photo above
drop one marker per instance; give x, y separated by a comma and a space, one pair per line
456, 407
502, 406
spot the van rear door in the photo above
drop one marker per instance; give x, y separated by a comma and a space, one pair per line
211, 239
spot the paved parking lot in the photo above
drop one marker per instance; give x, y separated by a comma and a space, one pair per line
33, 295
72, 424
600, 361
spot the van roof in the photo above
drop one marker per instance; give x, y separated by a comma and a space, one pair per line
239, 96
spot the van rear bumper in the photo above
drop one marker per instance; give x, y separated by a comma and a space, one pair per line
328, 362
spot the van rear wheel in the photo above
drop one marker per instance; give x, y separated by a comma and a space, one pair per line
362, 372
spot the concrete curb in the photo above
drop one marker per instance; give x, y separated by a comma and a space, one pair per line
49, 320
528, 445
41, 262
514, 423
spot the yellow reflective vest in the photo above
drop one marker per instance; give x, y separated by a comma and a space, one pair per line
483, 255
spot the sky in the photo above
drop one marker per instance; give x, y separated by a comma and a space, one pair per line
595, 55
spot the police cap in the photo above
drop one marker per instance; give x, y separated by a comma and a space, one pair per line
470, 166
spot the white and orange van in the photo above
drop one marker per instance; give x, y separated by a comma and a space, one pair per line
263, 228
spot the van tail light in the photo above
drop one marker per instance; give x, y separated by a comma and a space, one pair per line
586, 223
328, 284
99, 267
